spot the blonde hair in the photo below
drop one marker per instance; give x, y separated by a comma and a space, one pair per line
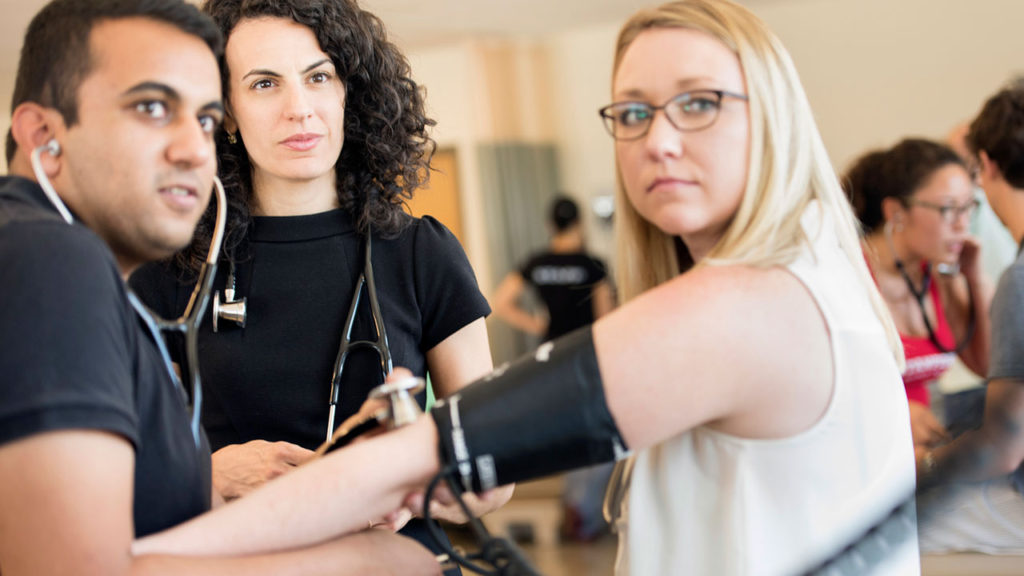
789, 167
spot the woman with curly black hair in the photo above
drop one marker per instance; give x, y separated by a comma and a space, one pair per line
325, 138
915, 202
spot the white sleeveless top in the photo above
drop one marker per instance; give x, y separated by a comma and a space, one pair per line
707, 503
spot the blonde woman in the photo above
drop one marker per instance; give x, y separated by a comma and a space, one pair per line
753, 369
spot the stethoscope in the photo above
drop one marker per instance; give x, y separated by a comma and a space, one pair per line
919, 295
235, 311
187, 323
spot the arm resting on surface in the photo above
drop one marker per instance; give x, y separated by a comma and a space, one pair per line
321, 500
996, 449
66, 508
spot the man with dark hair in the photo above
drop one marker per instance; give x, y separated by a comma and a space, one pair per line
56, 57
112, 163
983, 507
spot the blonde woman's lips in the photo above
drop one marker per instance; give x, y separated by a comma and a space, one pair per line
669, 184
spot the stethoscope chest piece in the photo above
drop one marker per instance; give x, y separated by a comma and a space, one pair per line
400, 396
229, 309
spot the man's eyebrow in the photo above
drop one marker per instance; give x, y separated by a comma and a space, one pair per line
214, 105
167, 91
170, 94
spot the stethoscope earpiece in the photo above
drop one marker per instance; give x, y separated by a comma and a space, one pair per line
53, 147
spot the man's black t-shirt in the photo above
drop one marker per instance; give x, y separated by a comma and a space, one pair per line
76, 356
565, 283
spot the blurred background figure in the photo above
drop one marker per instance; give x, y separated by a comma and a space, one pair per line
572, 284
999, 249
981, 507
963, 391
915, 201
575, 290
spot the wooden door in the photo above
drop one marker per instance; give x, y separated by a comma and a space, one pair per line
441, 198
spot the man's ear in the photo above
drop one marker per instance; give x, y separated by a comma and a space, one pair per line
990, 171
32, 126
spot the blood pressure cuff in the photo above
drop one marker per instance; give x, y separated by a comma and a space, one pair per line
543, 414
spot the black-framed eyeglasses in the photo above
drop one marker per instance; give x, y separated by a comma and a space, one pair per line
687, 112
949, 213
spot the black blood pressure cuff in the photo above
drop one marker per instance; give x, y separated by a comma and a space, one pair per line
545, 413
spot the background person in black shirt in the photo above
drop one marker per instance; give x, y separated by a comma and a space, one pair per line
576, 290
572, 284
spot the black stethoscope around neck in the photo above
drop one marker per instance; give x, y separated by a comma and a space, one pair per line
235, 311
920, 295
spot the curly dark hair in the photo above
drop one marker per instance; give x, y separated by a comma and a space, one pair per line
999, 131
387, 150
894, 173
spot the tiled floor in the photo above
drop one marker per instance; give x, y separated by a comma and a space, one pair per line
597, 559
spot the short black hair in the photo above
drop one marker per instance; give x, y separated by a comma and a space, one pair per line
999, 131
564, 213
55, 57
894, 173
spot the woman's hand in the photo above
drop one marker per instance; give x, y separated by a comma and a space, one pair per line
444, 507
970, 259
925, 427
240, 468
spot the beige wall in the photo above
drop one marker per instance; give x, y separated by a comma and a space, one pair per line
484, 92
879, 70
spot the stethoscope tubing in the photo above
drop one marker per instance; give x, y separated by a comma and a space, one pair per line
919, 296
380, 345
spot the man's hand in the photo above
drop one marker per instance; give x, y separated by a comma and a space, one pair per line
240, 468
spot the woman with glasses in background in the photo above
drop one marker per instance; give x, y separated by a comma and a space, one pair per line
753, 370
915, 202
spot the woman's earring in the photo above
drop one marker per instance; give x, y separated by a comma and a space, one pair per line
231, 138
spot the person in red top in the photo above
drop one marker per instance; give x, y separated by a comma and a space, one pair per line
915, 201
